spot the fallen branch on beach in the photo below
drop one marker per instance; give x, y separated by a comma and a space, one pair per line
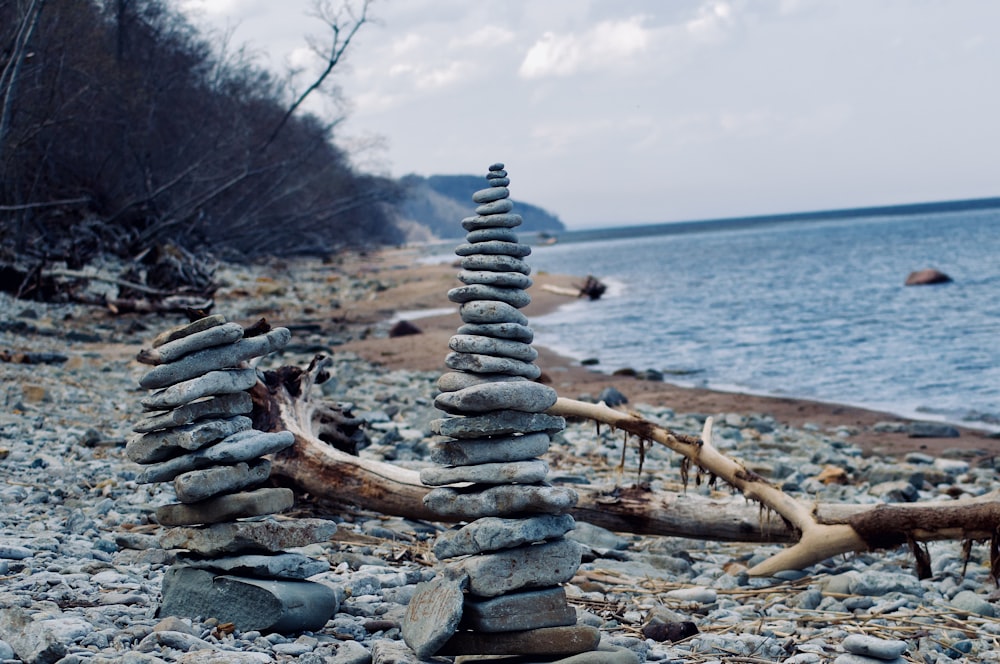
318, 464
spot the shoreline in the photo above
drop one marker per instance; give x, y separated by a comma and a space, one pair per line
417, 287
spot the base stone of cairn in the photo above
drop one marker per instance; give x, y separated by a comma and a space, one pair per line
197, 434
498, 591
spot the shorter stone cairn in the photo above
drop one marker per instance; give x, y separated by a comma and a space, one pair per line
499, 591
198, 435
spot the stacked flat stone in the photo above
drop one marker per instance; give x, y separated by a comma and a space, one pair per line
499, 592
197, 434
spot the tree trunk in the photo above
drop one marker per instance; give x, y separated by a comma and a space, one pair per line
763, 514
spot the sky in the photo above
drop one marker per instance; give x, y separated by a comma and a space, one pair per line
617, 112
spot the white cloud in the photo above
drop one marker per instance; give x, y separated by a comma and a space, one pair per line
489, 36
606, 44
713, 21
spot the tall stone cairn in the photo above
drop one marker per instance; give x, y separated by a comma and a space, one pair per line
499, 591
197, 435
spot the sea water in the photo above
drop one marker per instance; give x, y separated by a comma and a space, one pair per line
813, 309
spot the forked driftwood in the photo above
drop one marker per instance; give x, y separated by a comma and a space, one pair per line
318, 464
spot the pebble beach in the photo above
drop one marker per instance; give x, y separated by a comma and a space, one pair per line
81, 566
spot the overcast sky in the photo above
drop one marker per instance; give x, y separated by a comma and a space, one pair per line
614, 112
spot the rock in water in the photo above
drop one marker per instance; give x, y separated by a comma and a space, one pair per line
927, 277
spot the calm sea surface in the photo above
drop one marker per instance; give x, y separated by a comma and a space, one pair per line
813, 309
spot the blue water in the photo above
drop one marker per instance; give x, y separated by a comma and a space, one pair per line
813, 310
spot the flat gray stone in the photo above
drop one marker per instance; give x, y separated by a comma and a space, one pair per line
529, 609
547, 641
159, 445
494, 262
499, 423
196, 485
603, 654
32, 641
492, 221
487, 234
209, 384
515, 297
468, 452
470, 343
264, 535
514, 472
218, 357
490, 364
264, 605
490, 195
512, 331
500, 500
242, 446
851, 658
453, 381
870, 646
433, 613
973, 602
502, 279
524, 396
194, 327
499, 207
515, 249
224, 405
493, 534
531, 566
498, 181
226, 508
274, 566
486, 311
171, 351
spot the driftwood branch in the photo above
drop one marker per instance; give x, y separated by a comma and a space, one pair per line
862, 528
764, 513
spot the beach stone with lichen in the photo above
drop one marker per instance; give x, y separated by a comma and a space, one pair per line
470, 451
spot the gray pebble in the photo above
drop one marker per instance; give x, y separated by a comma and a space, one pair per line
501, 279
495, 262
494, 534
500, 423
522, 472
500, 500
211, 383
499, 207
498, 181
459, 380
160, 445
490, 195
972, 602
223, 405
489, 450
864, 644
196, 485
524, 396
494, 248
492, 221
218, 357
470, 343
532, 566
268, 566
515, 297
178, 348
242, 446
490, 364
484, 311
512, 331
486, 234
